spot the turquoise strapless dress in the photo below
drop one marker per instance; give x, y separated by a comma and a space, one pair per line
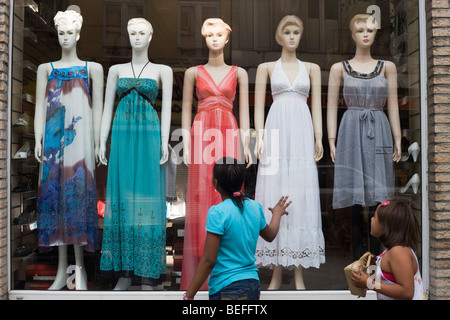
134, 234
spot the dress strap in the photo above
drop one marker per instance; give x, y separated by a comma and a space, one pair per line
346, 66
51, 63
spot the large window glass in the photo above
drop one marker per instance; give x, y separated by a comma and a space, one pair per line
327, 229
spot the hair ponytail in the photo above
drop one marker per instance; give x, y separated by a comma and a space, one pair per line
230, 175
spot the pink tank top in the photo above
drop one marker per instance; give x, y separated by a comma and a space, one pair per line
388, 278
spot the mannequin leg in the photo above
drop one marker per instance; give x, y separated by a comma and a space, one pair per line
357, 232
277, 274
123, 284
80, 271
373, 242
298, 276
61, 275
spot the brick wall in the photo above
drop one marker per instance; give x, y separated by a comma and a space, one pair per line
4, 53
438, 28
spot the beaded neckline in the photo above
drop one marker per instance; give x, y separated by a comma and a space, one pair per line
375, 73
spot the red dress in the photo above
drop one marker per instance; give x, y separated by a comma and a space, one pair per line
214, 134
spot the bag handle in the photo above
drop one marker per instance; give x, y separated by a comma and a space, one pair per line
365, 259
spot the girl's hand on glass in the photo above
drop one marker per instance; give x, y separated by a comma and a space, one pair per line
281, 206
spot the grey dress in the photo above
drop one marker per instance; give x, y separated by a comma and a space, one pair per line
364, 169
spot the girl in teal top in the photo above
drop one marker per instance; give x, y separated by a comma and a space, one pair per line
233, 227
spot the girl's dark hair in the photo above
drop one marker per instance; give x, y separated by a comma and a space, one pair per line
230, 175
399, 225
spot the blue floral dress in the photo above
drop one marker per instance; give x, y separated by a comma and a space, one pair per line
134, 233
66, 195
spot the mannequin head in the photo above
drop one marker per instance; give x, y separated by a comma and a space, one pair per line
216, 33
290, 22
363, 28
140, 32
68, 25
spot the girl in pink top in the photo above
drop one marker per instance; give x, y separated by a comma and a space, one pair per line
397, 274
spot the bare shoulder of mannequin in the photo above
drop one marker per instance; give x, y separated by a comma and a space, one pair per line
95, 66
311, 67
122, 70
336, 69
266, 68
161, 69
191, 73
45, 67
241, 72
389, 67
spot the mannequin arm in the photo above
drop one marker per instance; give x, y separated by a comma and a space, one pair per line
260, 100
334, 83
110, 96
316, 108
393, 113
166, 110
244, 114
186, 113
40, 112
96, 74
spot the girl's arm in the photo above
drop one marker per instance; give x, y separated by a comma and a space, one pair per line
403, 266
206, 264
270, 231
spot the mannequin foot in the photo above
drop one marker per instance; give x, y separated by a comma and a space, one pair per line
81, 279
123, 284
60, 281
152, 288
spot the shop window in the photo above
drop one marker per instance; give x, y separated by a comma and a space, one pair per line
326, 40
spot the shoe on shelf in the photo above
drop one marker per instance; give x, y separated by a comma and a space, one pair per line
413, 150
413, 183
22, 251
28, 216
23, 151
23, 120
24, 184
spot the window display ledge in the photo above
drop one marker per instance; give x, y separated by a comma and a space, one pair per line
178, 295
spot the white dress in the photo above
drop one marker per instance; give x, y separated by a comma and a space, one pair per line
287, 167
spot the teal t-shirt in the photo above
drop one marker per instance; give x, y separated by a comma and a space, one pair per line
239, 233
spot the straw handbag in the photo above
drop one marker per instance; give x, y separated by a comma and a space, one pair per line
362, 264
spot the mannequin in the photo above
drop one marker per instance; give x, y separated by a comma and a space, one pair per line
215, 134
134, 225
287, 163
66, 125
375, 141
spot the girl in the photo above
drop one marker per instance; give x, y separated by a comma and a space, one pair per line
397, 270
233, 227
